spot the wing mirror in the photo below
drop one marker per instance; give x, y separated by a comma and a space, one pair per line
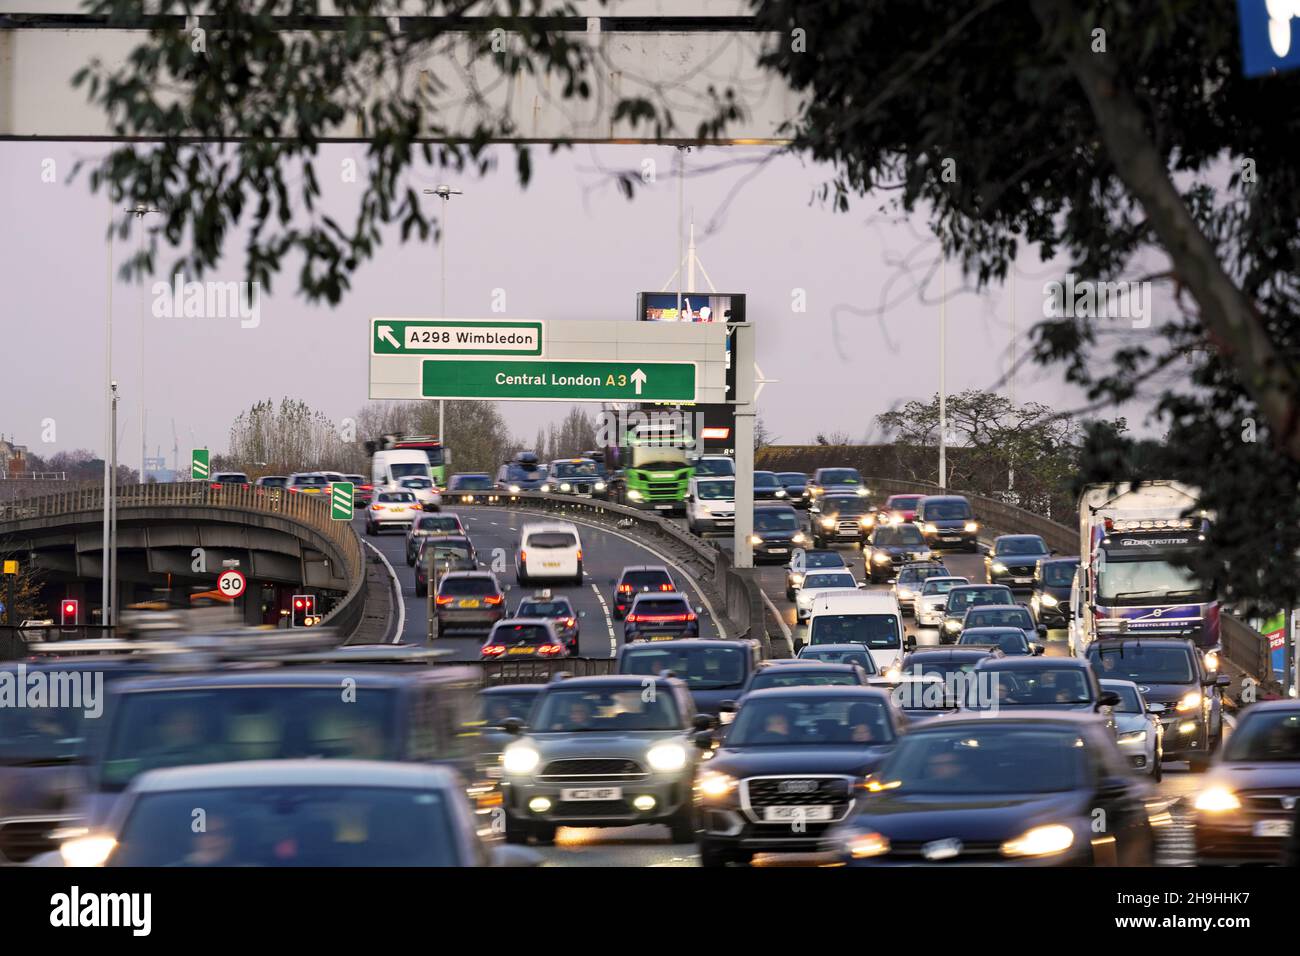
703, 739
1108, 698
513, 726
705, 722
1223, 680
727, 707
1036, 649
1042, 630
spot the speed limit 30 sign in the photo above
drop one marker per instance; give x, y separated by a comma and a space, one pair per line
231, 584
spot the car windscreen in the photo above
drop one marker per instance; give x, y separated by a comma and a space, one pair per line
409, 469
844, 506
471, 483
780, 677
1129, 700
416, 484
544, 609
444, 550
716, 490
467, 587
782, 721
1018, 545
290, 826
396, 497
766, 479
495, 708
915, 575
840, 476
823, 559
1059, 575
828, 580
509, 634
877, 631
157, 729
715, 466
551, 540
942, 585
37, 736
1143, 665
999, 617
907, 534
666, 606
959, 600
1266, 736
792, 479
604, 710
775, 521
945, 510
903, 502
703, 668
860, 657
569, 469
981, 760
273, 482
237, 478
444, 523
310, 481
1044, 686
1009, 642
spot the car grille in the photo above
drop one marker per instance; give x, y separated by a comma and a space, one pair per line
766, 791
1020, 570
592, 808
20, 840
915, 850
586, 768
851, 526
1270, 803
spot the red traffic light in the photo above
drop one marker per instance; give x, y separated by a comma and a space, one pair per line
69, 611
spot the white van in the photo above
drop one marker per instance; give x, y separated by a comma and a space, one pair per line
390, 466
871, 618
549, 551
711, 505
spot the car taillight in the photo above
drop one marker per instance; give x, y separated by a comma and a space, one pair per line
690, 617
376, 507
494, 599
444, 599
523, 555
666, 587
579, 554
625, 589
493, 650
367, 487
632, 618
216, 486
570, 621
550, 649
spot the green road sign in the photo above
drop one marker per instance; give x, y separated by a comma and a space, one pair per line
199, 470
341, 501
560, 381
454, 337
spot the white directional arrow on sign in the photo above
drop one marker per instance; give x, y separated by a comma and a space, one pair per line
638, 379
386, 333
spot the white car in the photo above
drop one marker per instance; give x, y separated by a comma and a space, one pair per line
711, 505
392, 508
933, 599
425, 491
549, 551
818, 583
1137, 727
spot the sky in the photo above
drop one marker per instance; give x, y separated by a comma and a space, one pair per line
568, 246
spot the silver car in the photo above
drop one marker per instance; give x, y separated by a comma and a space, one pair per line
1137, 727
933, 599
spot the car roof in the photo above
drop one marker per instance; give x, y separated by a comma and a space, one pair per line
645, 567
629, 681
948, 577
1018, 537
983, 587
832, 648
980, 608
306, 773
510, 689
658, 595
1118, 643
991, 629
950, 653
322, 675
536, 527
1037, 663
468, 574
1027, 715
1060, 559
801, 664
1267, 706
693, 642
823, 690
780, 508
1116, 682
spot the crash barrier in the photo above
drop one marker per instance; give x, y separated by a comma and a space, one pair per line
495, 673
308, 516
734, 592
1243, 647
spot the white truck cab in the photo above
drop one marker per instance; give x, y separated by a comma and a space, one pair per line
870, 618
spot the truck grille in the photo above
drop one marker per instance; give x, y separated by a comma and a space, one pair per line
588, 768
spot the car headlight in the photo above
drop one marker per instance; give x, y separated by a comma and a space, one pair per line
880, 557
863, 492
999, 567
514, 489
600, 486
755, 539
864, 844
1211, 660
866, 521
1040, 841
714, 784
1133, 737
666, 757
1191, 701
951, 625
520, 759
566, 487
800, 538
90, 850
895, 519
1216, 800
634, 494
780, 493
546, 489
931, 528
828, 522
1047, 600
796, 580
972, 527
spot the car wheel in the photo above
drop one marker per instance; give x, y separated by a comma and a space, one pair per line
713, 856
516, 830
410, 559
682, 825
577, 581
544, 833
1158, 773
370, 530
789, 595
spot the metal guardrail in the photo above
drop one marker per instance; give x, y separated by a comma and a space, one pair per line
311, 512
495, 673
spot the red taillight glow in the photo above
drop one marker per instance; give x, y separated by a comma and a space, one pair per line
632, 618
444, 600
376, 507
523, 555
493, 650
494, 599
550, 649
666, 587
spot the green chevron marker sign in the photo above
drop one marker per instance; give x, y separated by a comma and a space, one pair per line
341, 501
199, 469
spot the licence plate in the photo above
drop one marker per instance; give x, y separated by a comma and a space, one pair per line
778, 550
591, 793
1024, 580
469, 603
550, 564
950, 537
663, 507
1272, 828
663, 637
813, 814
521, 650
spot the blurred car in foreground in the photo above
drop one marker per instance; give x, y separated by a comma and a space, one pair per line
788, 768
495, 705
715, 671
320, 813
1246, 808
1012, 790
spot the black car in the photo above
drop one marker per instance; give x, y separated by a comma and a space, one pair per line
1013, 560
795, 484
559, 611
638, 580
812, 561
789, 767
525, 473
601, 487
830, 481
891, 546
1009, 640
450, 553
805, 672
1170, 672
962, 598
713, 670
1037, 683
660, 617
767, 487
776, 533
1050, 600
1246, 809
467, 489
1003, 615
931, 681
948, 522
1013, 790
469, 601
837, 518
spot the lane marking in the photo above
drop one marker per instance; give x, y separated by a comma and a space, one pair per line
717, 621
609, 621
401, 598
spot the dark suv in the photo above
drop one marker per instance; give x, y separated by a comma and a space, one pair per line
1171, 673
638, 580
714, 670
1050, 600
948, 522
964, 597
660, 617
1013, 559
469, 601
838, 517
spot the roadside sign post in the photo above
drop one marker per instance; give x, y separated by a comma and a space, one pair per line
231, 583
199, 466
341, 496
11, 576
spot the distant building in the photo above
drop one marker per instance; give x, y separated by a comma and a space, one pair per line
13, 458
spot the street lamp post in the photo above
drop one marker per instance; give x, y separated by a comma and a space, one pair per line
112, 527
943, 384
140, 210
443, 192
110, 389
